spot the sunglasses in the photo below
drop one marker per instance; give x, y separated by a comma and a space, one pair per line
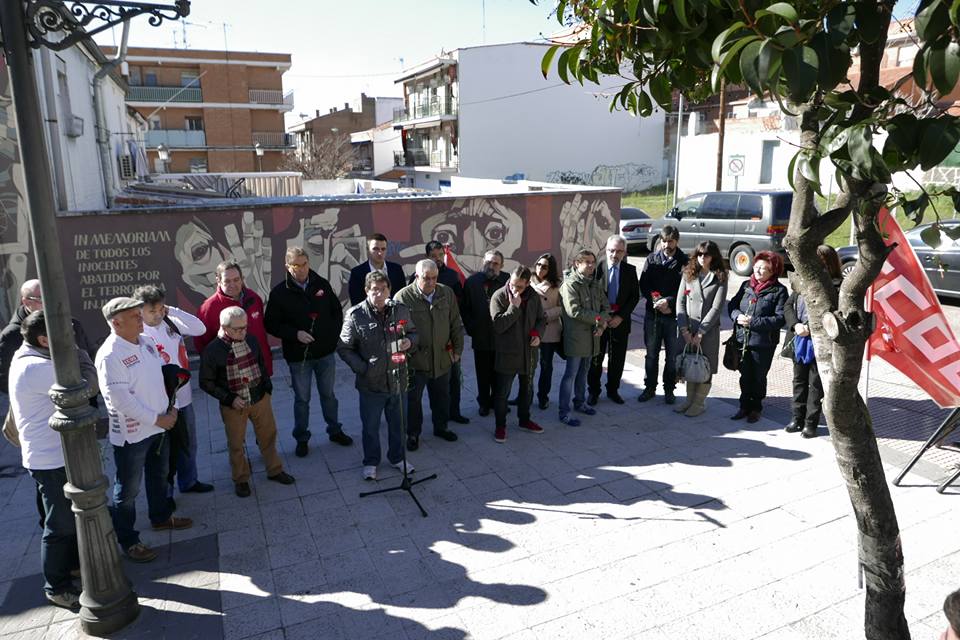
542, 265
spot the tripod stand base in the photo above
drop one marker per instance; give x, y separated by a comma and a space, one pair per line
405, 485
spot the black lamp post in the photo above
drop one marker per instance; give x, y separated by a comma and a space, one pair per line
108, 602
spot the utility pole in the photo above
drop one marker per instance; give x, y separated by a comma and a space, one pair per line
108, 602
723, 127
676, 160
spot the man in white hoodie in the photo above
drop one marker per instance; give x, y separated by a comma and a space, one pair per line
31, 376
167, 326
131, 381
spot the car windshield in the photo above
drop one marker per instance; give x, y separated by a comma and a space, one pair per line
632, 214
781, 208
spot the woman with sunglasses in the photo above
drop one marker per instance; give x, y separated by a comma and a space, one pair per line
700, 302
546, 282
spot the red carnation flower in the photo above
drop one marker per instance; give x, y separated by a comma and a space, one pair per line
534, 333
614, 307
656, 295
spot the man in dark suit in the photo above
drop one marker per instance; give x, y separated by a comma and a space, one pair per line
619, 279
377, 248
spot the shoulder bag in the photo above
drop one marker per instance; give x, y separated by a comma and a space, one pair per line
693, 367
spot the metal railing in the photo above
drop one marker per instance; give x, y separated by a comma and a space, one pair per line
266, 96
434, 108
265, 184
420, 158
175, 138
164, 94
272, 139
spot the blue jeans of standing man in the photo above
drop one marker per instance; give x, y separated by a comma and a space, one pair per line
150, 458
660, 330
58, 548
184, 459
575, 380
301, 374
372, 406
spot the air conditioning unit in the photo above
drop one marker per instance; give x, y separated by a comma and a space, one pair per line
73, 126
128, 169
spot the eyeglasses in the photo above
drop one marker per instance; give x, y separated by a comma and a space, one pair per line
34, 298
243, 328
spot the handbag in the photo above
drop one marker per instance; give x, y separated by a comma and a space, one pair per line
732, 353
693, 366
10, 431
788, 351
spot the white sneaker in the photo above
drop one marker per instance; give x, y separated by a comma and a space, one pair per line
399, 465
369, 473
67, 599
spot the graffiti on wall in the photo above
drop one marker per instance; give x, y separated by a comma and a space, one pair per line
112, 253
629, 177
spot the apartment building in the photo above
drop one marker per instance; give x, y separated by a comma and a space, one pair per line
363, 115
487, 112
210, 111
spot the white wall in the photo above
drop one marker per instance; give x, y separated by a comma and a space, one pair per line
385, 143
384, 111
553, 133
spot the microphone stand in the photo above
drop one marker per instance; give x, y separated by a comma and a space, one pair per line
399, 373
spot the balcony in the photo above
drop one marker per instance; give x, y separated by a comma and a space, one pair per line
270, 96
164, 94
421, 158
273, 139
175, 138
435, 108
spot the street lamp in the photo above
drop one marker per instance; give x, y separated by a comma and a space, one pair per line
258, 149
108, 602
164, 154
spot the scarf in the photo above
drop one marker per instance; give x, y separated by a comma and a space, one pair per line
758, 286
669, 261
243, 370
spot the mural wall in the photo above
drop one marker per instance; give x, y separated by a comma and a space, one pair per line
109, 254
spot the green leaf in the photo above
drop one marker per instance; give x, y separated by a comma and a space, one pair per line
834, 61
660, 91
914, 209
632, 8
800, 67
730, 55
644, 106
680, 9
768, 63
791, 171
932, 21
782, 9
931, 236
561, 7
748, 66
940, 137
721, 40
562, 66
955, 17
840, 22
944, 61
547, 59
920, 68
859, 144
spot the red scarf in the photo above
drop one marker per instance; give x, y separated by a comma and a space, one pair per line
758, 286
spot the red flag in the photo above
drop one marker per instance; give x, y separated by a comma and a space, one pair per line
912, 332
451, 262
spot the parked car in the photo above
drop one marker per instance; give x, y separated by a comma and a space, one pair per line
941, 264
740, 222
635, 226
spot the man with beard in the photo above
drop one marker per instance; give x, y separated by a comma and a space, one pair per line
475, 311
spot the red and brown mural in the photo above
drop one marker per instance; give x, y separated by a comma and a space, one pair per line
110, 253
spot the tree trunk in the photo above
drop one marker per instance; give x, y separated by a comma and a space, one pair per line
840, 328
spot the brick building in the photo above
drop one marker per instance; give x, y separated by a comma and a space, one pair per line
210, 109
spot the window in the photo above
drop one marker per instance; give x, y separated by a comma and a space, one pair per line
150, 78
198, 165
193, 123
135, 78
689, 206
188, 79
155, 123
751, 208
719, 206
766, 160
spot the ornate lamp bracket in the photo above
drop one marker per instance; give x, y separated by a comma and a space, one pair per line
59, 24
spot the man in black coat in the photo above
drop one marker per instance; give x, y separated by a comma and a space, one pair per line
475, 311
306, 315
377, 248
619, 279
659, 283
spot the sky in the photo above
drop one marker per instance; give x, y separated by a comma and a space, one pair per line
343, 48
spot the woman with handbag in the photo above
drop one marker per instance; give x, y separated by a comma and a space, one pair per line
700, 300
546, 282
757, 314
807, 386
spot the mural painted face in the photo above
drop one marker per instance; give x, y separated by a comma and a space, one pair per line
473, 227
198, 254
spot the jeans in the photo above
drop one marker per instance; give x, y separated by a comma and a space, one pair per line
59, 554
547, 351
301, 373
753, 377
613, 344
439, 391
807, 394
501, 389
183, 461
150, 456
372, 406
660, 330
576, 368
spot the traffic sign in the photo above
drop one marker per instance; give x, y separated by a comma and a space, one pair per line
735, 165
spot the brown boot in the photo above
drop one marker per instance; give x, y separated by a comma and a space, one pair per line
691, 387
698, 405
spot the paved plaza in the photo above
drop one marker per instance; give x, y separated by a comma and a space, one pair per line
638, 524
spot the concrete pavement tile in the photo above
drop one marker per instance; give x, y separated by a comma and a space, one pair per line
322, 500
483, 483
332, 542
305, 577
238, 516
294, 549
328, 626
241, 540
252, 619
238, 590
447, 627
341, 566
245, 562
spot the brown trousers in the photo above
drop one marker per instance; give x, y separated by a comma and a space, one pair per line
265, 428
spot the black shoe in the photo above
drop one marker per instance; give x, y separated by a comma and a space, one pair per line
341, 439
793, 427
647, 394
809, 431
543, 404
198, 487
739, 415
283, 478
413, 443
615, 397
514, 401
447, 435
668, 397
459, 419
593, 398
302, 450
484, 411
242, 489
